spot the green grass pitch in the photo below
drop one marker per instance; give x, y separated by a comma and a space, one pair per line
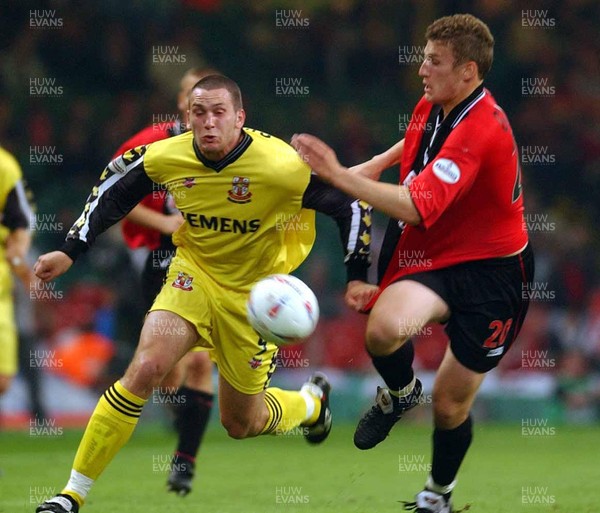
505, 472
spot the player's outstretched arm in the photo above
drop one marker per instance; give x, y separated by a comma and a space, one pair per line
51, 265
393, 200
16, 216
122, 185
17, 245
353, 218
373, 167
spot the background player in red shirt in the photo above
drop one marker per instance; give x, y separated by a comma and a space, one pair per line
150, 224
460, 253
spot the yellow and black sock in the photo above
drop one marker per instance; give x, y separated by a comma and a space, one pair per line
289, 409
108, 429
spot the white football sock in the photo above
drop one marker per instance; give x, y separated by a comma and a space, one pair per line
434, 487
79, 483
309, 393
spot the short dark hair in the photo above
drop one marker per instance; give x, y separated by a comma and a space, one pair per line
469, 38
221, 82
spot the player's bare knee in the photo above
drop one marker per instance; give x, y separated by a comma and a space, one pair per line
199, 372
243, 426
381, 340
199, 364
448, 414
236, 428
148, 370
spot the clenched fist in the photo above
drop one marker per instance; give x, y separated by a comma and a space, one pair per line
51, 265
359, 294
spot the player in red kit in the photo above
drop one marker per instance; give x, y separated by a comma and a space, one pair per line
150, 225
456, 250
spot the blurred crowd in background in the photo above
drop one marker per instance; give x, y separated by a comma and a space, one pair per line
74, 87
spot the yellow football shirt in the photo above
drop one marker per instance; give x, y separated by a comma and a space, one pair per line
236, 216
248, 215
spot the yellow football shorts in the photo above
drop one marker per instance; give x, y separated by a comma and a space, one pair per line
219, 315
8, 334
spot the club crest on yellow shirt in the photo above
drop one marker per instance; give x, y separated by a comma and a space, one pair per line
189, 182
183, 281
255, 363
240, 190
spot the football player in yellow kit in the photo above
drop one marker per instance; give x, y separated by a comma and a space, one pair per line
249, 204
15, 239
